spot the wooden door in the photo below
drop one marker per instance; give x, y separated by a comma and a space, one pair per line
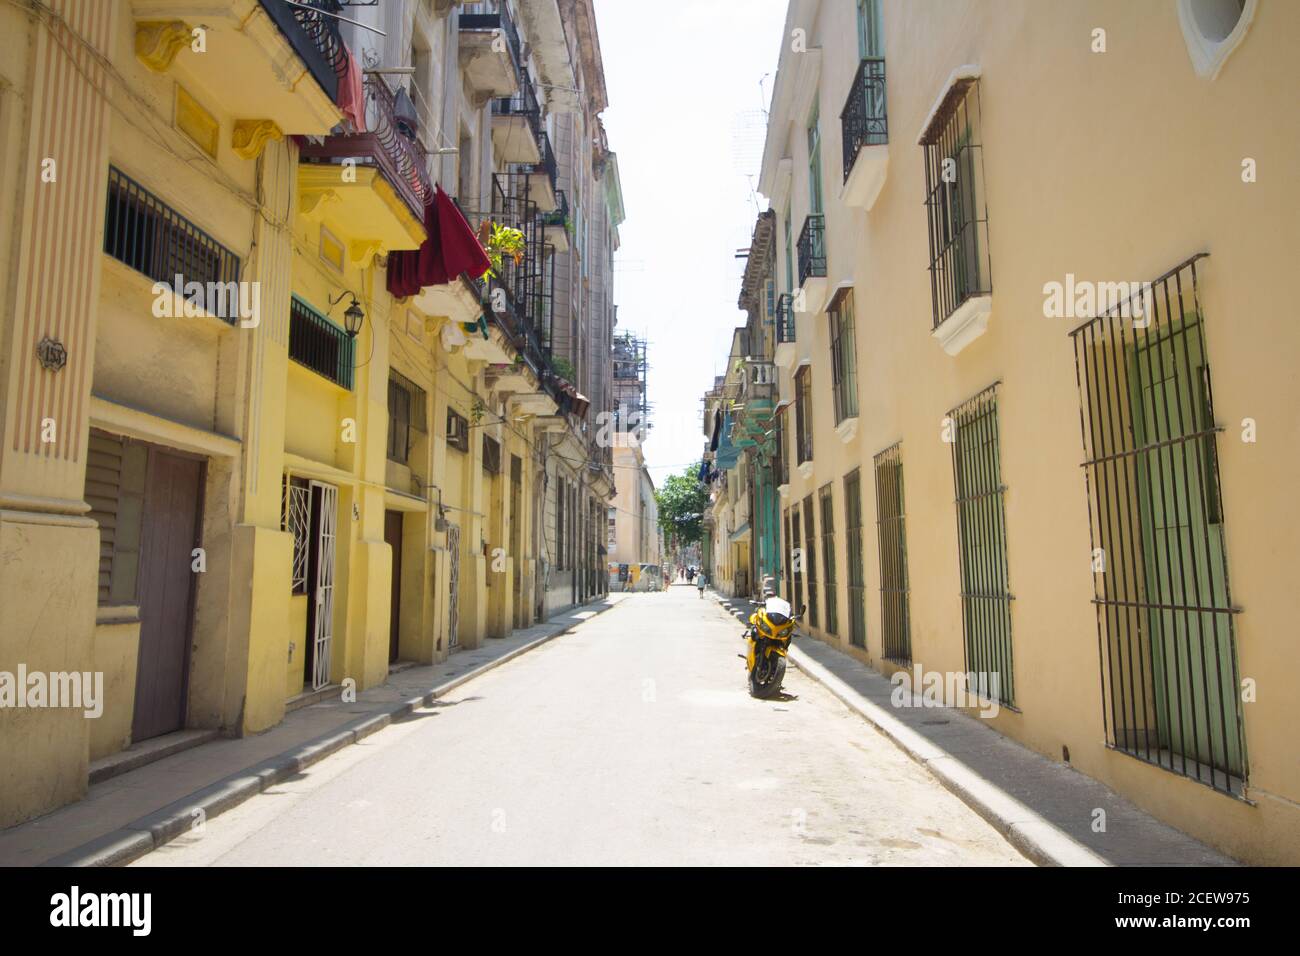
171, 532
393, 537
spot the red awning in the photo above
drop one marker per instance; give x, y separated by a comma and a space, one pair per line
452, 248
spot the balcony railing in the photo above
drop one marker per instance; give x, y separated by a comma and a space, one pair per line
493, 15
524, 103
812, 248
547, 164
151, 237
863, 120
784, 318
559, 216
528, 285
314, 37
318, 344
402, 160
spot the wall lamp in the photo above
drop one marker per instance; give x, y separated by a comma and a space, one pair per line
353, 317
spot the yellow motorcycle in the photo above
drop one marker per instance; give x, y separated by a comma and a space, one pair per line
770, 629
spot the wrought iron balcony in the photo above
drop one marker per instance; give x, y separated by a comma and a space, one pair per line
784, 319
314, 37
401, 159
547, 164
863, 121
812, 248
489, 16
318, 344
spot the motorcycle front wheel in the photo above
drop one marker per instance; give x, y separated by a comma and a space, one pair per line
765, 681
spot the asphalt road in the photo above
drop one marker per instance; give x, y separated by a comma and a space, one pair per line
631, 741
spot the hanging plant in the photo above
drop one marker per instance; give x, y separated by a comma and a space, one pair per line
502, 242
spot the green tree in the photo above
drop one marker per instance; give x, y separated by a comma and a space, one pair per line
682, 501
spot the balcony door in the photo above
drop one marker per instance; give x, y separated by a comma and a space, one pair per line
815, 162
871, 38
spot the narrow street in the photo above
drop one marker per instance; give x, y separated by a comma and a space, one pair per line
631, 740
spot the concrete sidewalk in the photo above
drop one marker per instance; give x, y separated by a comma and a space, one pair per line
1044, 808
132, 813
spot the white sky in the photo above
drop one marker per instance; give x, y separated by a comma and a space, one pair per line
685, 119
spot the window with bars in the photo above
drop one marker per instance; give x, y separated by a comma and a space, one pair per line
145, 233
407, 411
982, 541
318, 344
295, 518
955, 203
810, 559
457, 431
844, 361
857, 578
1165, 615
803, 433
399, 421
560, 531
895, 619
827, 505
116, 470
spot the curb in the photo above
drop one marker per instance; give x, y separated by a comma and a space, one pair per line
153, 830
1039, 840
1034, 836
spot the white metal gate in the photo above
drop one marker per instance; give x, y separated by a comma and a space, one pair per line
453, 609
324, 624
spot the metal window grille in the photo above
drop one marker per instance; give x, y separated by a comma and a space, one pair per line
810, 559
857, 578
784, 318
812, 248
295, 518
844, 362
318, 344
457, 431
826, 503
982, 535
399, 421
152, 238
895, 620
803, 414
1165, 618
955, 204
863, 121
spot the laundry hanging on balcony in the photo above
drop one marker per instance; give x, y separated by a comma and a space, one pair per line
451, 249
352, 96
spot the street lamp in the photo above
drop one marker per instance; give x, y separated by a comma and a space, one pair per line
353, 317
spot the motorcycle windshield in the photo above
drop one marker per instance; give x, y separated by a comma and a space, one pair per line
777, 607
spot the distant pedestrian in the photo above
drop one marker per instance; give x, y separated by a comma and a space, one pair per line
700, 582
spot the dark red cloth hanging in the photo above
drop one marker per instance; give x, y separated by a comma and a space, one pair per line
452, 248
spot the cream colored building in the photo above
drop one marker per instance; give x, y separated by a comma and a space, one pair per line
635, 538
1013, 478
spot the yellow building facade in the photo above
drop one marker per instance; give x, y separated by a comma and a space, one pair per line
1031, 333
228, 500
